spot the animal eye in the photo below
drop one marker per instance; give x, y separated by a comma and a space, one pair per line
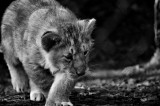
69, 57
85, 53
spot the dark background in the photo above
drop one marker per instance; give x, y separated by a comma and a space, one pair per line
124, 33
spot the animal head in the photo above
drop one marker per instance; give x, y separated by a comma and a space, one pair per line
68, 47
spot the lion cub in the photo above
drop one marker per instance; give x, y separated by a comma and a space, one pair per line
46, 47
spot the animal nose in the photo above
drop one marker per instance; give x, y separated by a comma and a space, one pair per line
80, 71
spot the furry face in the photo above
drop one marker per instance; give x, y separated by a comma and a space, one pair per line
69, 47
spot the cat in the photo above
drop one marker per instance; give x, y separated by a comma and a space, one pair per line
46, 48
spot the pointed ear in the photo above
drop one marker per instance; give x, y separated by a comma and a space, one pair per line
87, 25
49, 40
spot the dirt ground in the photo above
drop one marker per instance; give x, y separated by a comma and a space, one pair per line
135, 91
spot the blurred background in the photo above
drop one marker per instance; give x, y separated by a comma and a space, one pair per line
124, 33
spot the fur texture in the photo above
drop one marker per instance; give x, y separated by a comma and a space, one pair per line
46, 47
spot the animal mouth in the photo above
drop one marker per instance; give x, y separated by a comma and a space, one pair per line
77, 72
80, 73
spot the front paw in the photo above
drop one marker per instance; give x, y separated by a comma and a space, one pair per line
66, 104
57, 103
36, 96
20, 84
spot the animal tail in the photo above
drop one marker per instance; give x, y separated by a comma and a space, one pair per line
157, 22
117, 74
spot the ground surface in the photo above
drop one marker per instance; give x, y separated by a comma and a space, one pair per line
141, 91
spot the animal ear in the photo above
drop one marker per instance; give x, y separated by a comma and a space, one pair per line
87, 25
50, 40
